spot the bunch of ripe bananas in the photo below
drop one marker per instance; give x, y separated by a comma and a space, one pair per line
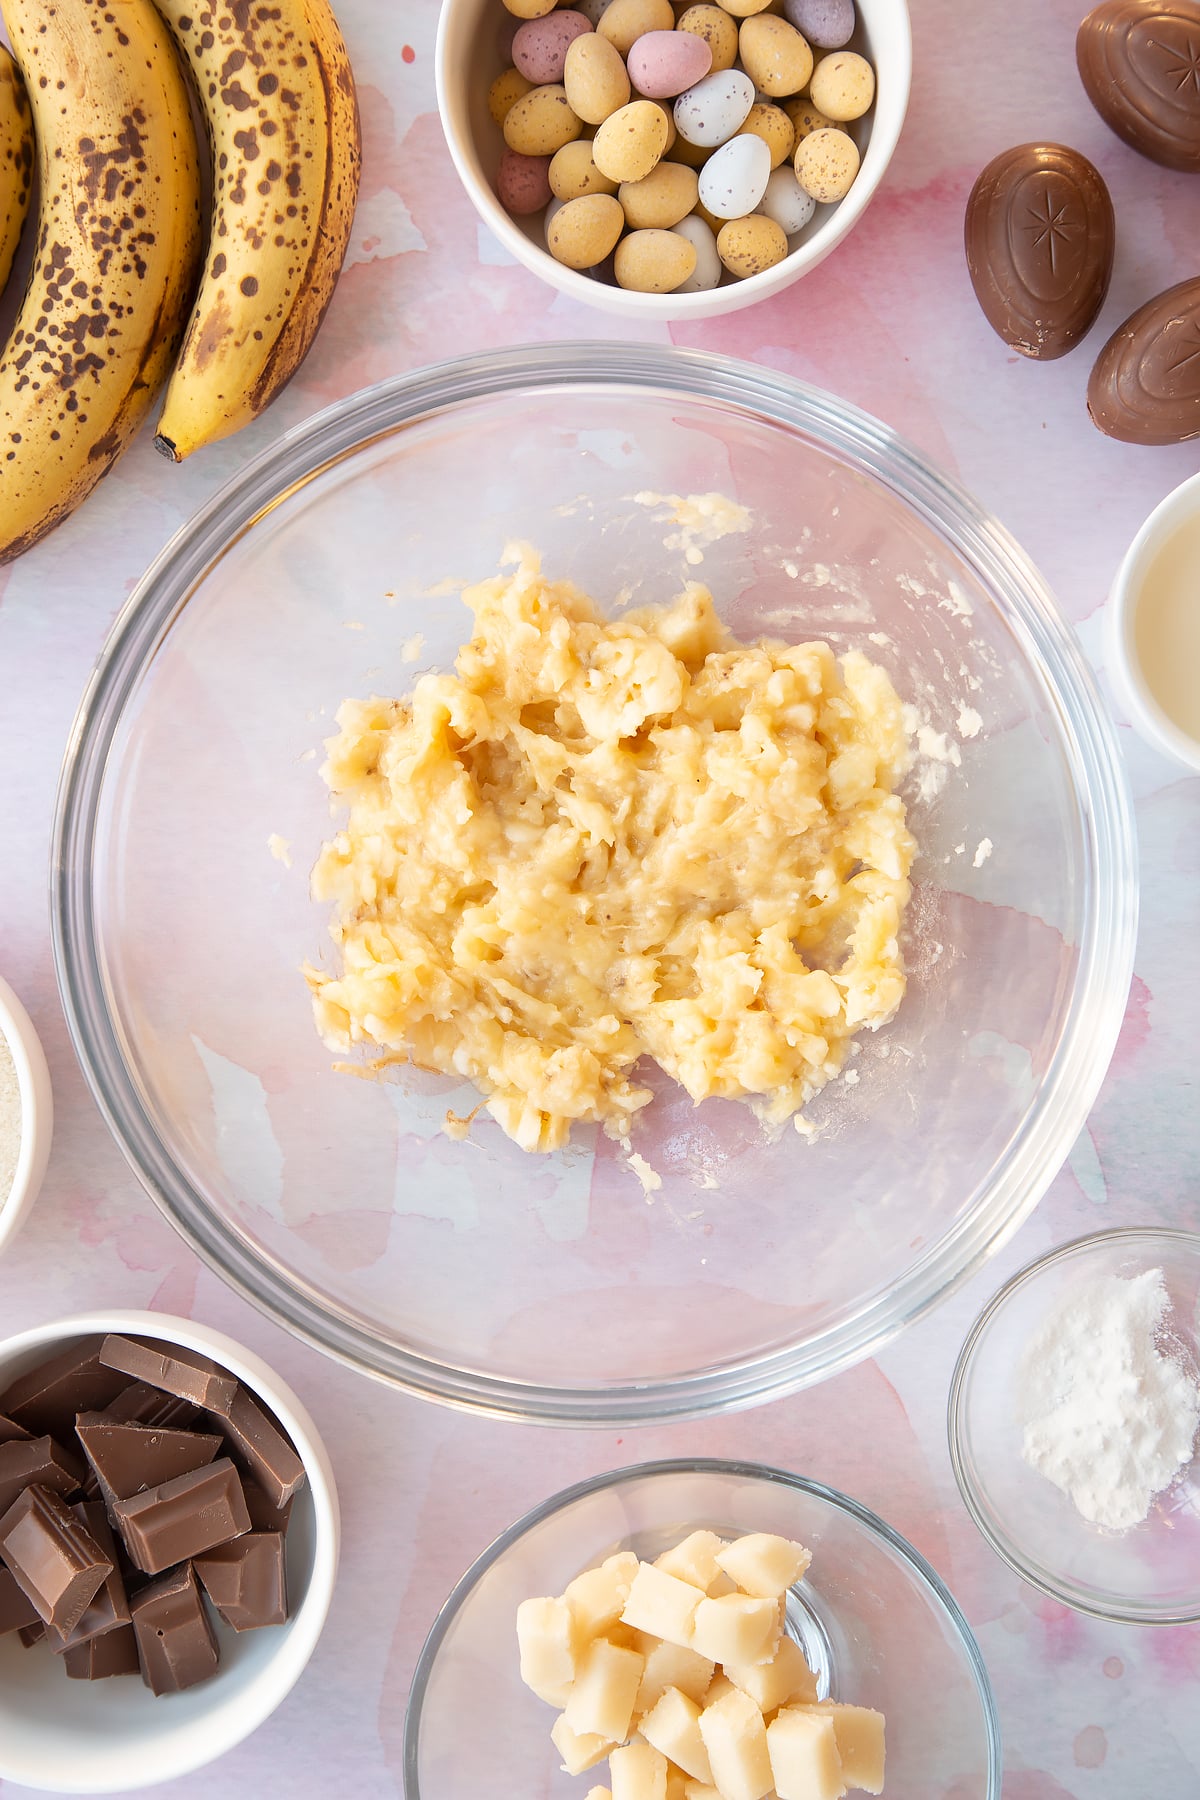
124, 290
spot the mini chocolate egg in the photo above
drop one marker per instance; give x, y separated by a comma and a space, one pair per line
594, 78
573, 172
843, 85
712, 111
773, 126
707, 272
827, 24
748, 246
717, 28
505, 91
785, 201
774, 55
541, 122
625, 21
653, 262
523, 183
529, 9
826, 165
734, 179
630, 142
663, 197
663, 63
583, 232
540, 46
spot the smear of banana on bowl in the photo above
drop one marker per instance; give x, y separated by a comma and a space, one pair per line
130, 288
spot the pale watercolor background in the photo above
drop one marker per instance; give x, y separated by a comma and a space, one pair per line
1089, 1712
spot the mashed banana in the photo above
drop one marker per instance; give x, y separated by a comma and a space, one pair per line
603, 840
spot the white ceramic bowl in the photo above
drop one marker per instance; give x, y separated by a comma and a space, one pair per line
37, 1112
1125, 666
108, 1737
468, 59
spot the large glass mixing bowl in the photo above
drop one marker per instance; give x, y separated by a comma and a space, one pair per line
552, 1287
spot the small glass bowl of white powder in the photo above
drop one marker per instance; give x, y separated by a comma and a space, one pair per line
1074, 1424
26, 1113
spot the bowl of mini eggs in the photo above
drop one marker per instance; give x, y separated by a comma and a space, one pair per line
672, 161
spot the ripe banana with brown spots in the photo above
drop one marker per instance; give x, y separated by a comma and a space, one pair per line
117, 252
278, 96
16, 161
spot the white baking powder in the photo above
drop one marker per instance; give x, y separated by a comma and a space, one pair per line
1110, 1413
10, 1120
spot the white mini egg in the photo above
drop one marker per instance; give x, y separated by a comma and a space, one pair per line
785, 201
715, 108
707, 272
734, 179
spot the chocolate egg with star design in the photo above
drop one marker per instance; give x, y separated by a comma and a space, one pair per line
1039, 239
1139, 61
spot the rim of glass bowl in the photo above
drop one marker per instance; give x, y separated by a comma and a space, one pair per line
1109, 883
1005, 1547
700, 1465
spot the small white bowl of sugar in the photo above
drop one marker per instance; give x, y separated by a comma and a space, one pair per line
26, 1113
1154, 627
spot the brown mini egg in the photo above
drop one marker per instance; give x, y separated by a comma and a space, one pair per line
750, 245
653, 262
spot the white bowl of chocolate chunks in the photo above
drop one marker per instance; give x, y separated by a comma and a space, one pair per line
168, 1548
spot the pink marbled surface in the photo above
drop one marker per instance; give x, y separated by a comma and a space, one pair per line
1089, 1712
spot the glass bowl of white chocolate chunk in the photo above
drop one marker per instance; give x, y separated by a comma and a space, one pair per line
701, 1630
720, 1250
1074, 1422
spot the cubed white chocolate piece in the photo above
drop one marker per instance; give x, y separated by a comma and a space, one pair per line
700, 1790
694, 1560
736, 1740
718, 1687
662, 1604
578, 1752
859, 1731
606, 1682
673, 1726
772, 1684
764, 1565
737, 1628
804, 1756
546, 1637
638, 1772
670, 1665
597, 1596
677, 1783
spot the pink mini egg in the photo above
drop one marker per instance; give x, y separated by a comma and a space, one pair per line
539, 48
523, 183
663, 63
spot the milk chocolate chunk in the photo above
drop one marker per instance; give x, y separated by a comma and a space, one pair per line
141, 1404
32, 1634
46, 1399
1039, 238
9, 1429
128, 1459
24, 1461
245, 1580
55, 1560
1139, 61
184, 1373
16, 1608
113, 1654
110, 1606
174, 1638
264, 1514
1145, 386
183, 1518
258, 1443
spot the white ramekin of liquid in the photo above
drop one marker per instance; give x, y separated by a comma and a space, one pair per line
1154, 627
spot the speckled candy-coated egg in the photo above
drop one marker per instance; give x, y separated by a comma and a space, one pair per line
717, 28
786, 202
573, 172
748, 246
827, 24
805, 117
523, 183
594, 78
745, 9
529, 9
773, 126
826, 164
774, 55
734, 179
540, 45
627, 145
584, 231
653, 262
715, 108
541, 122
625, 21
658, 202
663, 63
843, 85
592, 10
505, 91
707, 272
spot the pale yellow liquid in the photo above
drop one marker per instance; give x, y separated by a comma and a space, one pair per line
1167, 628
